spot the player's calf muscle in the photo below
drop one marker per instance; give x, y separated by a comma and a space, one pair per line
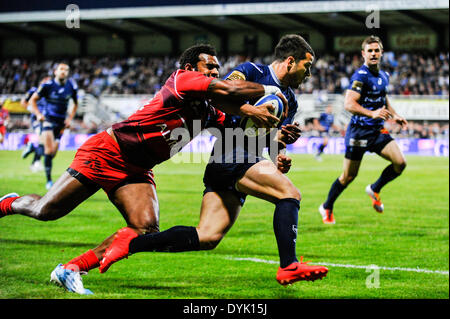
35, 206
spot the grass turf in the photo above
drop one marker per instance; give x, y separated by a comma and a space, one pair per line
412, 233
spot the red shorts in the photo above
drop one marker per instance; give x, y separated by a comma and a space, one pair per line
99, 163
3, 130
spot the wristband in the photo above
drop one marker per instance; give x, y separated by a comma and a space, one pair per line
271, 89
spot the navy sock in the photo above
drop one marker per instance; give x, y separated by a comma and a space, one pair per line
38, 152
48, 166
320, 148
336, 189
285, 221
175, 239
387, 175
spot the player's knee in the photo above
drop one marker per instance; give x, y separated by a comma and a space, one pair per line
48, 213
347, 179
210, 240
145, 224
400, 167
292, 192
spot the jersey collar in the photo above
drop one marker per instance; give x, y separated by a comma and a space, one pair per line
274, 76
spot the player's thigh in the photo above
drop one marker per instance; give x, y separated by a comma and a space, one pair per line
138, 204
48, 139
265, 181
218, 213
393, 153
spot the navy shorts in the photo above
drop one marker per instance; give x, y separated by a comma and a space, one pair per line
54, 124
223, 177
360, 139
36, 125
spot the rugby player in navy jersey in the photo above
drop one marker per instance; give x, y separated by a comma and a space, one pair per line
367, 100
232, 174
120, 159
325, 123
57, 93
36, 126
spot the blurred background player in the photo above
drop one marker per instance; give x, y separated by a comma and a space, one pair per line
4, 119
367, 100
55, 118
324, 124
232, 174
36, 126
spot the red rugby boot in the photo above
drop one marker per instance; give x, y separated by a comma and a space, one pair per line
327, 215
376, 200
118, 249
300, 271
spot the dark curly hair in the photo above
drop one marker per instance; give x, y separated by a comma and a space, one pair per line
292, 45
191, 55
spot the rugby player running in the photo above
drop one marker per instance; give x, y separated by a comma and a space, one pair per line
57, 93
36, 126
367, 100
119, 160
233, 174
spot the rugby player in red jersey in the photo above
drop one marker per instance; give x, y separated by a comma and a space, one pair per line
119, 160
239, 171
4, 118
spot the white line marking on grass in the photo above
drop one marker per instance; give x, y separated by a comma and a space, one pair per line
257, 260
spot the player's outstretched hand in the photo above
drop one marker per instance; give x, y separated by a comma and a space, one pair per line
381, 113
400, 120
283, 163
290, 133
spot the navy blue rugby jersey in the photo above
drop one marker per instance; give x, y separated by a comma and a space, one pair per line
264, 74
57, 97
40, 102
373, 89
326, 120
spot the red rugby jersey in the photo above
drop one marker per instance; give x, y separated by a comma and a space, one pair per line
145, 137
3, 115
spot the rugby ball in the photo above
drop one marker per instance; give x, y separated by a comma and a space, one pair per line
247, 124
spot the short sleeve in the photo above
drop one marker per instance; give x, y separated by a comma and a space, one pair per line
191, 83
356, 82
43, 89
244, 71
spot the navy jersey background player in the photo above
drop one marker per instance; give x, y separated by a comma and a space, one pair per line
55, 118
35, 123
36, 126
325, 122
57, 96
367, 100
363, 133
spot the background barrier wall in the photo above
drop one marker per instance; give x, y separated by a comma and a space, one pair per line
204, 143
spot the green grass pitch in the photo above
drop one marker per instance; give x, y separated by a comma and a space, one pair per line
411, 239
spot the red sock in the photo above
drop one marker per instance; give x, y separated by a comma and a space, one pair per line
85, 262
5, 205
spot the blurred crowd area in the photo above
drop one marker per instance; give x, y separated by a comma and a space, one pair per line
411, 73
415, 129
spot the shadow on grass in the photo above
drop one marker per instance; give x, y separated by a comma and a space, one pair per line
46, 243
